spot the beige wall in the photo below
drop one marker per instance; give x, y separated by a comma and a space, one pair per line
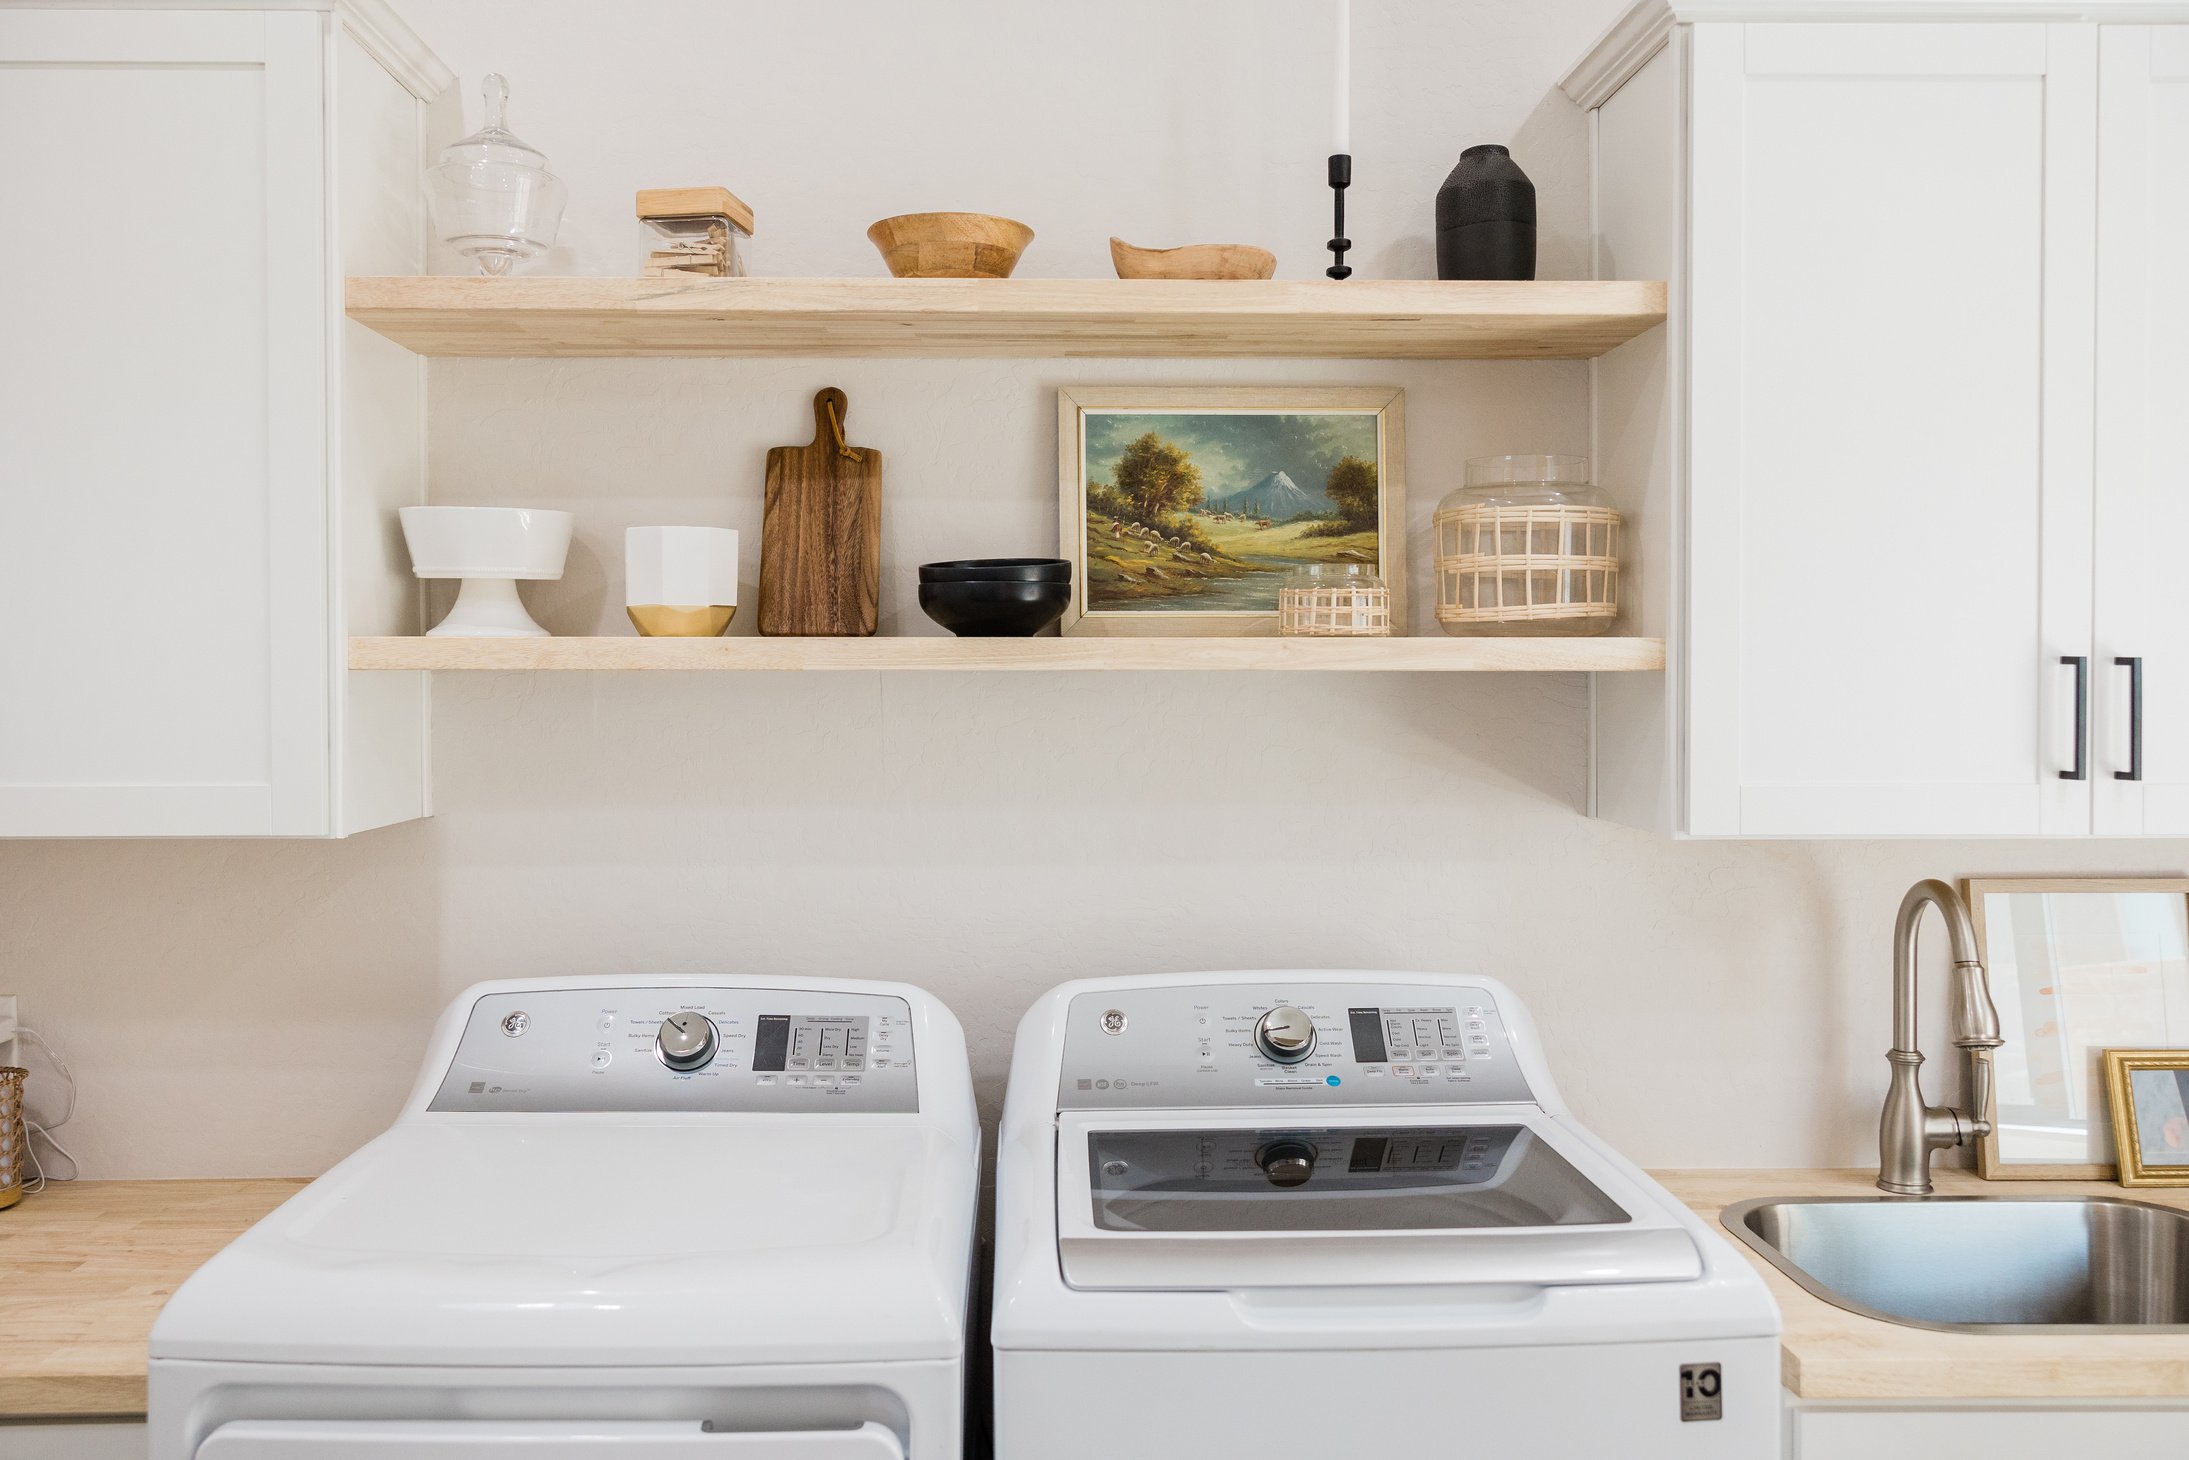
240, 1008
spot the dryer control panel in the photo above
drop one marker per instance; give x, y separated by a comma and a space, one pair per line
684, 1049
1235, 1045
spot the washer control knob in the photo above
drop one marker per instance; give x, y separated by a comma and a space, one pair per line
1286, 1163
686, 1041
1285, 1035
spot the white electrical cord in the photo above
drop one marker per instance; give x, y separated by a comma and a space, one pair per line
44, 1132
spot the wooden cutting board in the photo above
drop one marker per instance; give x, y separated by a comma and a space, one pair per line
821, 532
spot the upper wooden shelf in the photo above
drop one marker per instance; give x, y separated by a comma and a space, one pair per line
927, 651
1398, 319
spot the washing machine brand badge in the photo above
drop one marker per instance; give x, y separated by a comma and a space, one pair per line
1702, 1392
1113, 1021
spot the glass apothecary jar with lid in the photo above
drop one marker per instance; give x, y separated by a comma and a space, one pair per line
493, 198
1528, 547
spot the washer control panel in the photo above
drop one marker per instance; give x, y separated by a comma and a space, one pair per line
1235, 1045
684, 1049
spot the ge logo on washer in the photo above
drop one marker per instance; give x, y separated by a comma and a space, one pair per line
1113, 1021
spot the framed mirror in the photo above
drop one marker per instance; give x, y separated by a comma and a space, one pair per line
2077, 965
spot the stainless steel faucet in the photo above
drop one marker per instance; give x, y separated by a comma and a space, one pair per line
1910, 1130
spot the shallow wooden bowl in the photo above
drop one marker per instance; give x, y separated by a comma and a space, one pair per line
1194, 261
950, 245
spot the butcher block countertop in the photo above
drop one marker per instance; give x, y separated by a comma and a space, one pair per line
84, 1269
1827, 1352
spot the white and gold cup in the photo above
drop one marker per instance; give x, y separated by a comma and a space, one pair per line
680, 582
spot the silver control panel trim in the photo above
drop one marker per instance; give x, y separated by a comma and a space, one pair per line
775, 1050
1182, 1047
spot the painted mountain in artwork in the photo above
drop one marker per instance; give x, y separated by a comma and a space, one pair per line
1275, 497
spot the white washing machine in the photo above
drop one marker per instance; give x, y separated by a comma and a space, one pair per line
1315, 1214
630, 1217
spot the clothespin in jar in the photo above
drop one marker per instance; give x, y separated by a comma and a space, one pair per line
700, 229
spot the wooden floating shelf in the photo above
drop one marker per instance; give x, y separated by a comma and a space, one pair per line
1423, 655
1405, 319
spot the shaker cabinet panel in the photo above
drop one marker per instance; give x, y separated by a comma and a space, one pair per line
162, 564
1869, 450
1884, 241
2142, 592
189, 445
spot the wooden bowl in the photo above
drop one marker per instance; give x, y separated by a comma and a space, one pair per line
950, 245
1194, 261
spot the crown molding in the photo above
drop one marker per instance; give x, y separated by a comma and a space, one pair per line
1642, 31
388, 39
1618, 53
383, 33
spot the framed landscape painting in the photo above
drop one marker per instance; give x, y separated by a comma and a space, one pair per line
1183, 508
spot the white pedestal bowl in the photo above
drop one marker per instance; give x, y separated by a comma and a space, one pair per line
491, 549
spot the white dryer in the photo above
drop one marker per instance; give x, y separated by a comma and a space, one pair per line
671, 1217
1313, 1214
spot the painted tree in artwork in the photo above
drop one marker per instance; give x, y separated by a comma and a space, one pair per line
1157, 477
1352, 488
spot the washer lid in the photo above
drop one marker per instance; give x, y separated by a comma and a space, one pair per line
1498, 1195
542, 1240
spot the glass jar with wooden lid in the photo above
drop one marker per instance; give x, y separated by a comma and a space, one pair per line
1528, 547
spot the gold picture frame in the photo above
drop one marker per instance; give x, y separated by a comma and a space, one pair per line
2018, 1013
1205, 551
2137, 1102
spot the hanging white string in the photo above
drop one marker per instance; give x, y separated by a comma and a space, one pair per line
43, 1131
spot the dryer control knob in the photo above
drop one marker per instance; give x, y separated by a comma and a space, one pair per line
1286, 1163
686, 1041
1285, 1034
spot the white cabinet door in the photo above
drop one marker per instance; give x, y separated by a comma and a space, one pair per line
164, 593
1892, 228
2143, 395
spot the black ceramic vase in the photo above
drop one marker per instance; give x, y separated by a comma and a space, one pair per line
1486, 218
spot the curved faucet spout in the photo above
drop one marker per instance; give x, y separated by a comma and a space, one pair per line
1910, 1129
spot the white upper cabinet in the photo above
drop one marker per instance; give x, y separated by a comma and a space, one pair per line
184, 403
2143, 401
1866, 454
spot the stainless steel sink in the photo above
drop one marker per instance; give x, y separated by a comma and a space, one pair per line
2067, 1264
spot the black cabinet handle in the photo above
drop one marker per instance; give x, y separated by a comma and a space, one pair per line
2081, 665
2135, 719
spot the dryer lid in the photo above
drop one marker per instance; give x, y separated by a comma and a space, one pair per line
590, 1240
1475, 1198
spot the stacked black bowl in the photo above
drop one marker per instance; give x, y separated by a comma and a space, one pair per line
996, 597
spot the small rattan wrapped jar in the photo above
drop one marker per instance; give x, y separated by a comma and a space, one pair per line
1334, 601
13, 1153
1528, 548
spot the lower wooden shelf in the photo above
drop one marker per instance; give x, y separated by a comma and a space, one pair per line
1422, 655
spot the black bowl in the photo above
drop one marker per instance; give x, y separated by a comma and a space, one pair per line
995, 610
998, 570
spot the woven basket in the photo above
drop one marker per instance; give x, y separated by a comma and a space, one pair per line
12, 1157
1338, 611
1552, 566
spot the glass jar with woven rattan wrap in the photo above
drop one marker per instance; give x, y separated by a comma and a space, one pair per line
14, 1153
1334, 601
1528, 547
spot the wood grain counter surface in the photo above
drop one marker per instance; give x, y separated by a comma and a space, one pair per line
1827, 1352
85, 1267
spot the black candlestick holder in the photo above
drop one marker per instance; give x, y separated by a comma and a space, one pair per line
1341, 178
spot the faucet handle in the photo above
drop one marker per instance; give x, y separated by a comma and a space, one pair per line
1981, 1085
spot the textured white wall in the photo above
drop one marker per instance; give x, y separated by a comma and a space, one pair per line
259, 1008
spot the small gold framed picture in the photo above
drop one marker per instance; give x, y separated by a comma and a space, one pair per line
2149, 1092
